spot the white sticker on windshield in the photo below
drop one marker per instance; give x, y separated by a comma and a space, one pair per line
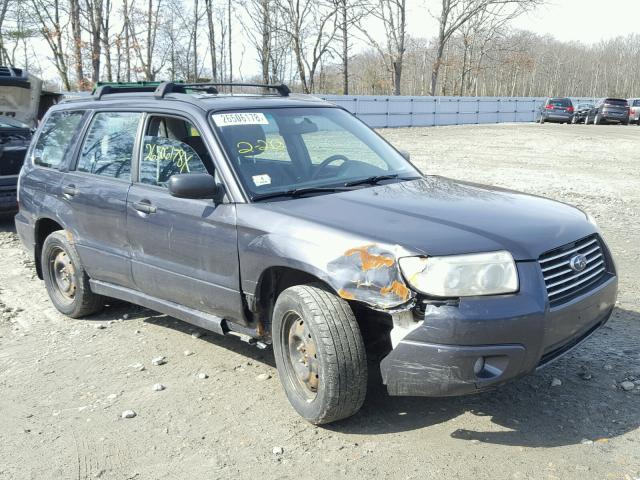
260, 180
240, 118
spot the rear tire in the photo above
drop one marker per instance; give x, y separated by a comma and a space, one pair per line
541, 120
319, 353
66, 280
597, 120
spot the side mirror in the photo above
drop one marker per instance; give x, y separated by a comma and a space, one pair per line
193, 185
405, 154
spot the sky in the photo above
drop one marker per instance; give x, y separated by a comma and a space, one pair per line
587, 21
567, 20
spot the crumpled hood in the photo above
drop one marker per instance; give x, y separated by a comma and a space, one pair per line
440, 216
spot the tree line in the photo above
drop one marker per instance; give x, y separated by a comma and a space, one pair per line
328, 46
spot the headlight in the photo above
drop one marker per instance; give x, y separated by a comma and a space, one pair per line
462, 275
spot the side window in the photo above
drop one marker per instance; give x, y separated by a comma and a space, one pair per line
171, 146
108, 146
55, 138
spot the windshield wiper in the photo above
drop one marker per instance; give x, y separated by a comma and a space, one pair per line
376, 179
296, 192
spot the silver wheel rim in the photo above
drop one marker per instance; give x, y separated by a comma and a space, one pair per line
62, 274
300, 356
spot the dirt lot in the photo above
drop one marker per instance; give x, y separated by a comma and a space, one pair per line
65, 383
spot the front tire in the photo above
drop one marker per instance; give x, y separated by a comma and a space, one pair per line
66, 280
319, 353
597, 120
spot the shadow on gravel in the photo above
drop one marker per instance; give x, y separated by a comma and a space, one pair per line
529, 412
228, 342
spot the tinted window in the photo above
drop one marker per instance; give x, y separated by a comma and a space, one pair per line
171, 146
636, 103
560, 102
108, 146
615, 101
55, 138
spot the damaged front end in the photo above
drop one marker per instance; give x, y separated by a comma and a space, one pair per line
370, 274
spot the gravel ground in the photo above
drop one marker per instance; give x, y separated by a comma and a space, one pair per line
214, 408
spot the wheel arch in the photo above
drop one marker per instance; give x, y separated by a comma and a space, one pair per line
44, 227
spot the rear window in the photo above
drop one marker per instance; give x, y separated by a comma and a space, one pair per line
615, 101
560, 102
55, 138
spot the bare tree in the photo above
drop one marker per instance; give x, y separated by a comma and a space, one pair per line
209, 11
454, 14
51, 20
311, 27
393, 15
94, 19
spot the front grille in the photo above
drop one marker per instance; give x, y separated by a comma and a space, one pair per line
562, 282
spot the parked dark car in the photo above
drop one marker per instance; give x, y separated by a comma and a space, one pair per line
283, 219
14, 142
581, 111
609, 110
557, 110
634, 110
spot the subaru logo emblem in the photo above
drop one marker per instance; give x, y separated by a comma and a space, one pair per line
578, 263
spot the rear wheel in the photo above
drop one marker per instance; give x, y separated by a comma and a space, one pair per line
66, 280
319, 354
597, 120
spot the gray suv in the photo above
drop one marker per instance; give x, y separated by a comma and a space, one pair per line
285, 221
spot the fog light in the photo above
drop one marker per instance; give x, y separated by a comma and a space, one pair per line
478, 366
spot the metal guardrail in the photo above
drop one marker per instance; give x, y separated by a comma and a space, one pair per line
413, 111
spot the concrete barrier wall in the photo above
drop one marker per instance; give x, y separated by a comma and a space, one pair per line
407, 111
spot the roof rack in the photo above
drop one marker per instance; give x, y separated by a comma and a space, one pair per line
210, 87
102, 90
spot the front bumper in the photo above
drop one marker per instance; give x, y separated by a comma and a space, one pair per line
512, 334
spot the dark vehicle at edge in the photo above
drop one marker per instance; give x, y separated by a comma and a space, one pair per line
558, 110
609, 110
14, 142
283, 219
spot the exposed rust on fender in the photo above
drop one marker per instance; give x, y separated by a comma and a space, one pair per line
346, 295
400, 289
368, 260
369, 273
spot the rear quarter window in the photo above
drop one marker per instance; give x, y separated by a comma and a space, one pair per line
55, 138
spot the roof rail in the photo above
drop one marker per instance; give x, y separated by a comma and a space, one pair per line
210, 87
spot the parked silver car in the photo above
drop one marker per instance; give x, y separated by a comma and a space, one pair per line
634, 110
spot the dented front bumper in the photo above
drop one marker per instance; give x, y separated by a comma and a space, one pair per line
507, 336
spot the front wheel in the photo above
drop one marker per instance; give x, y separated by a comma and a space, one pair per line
319, 353
597, 120
66, 280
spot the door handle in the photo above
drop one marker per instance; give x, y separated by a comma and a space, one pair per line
70, 190
144, 206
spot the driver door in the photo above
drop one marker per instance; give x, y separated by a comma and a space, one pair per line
183, 250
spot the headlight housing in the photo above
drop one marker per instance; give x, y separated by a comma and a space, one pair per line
469, 275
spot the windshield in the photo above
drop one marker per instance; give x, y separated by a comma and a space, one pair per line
286, 149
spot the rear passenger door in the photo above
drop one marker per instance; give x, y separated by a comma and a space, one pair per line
183, 250
96, 193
